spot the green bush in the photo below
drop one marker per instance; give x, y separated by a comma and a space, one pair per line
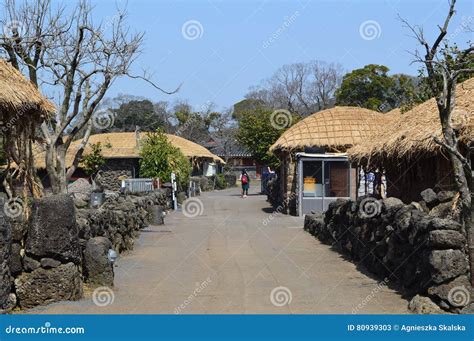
159, 158
221, 183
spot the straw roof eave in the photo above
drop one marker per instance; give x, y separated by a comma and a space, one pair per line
335, 129
123, 145
411, 135
19, 96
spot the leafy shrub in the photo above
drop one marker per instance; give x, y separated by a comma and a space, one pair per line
159, 158
221, 182
92, 161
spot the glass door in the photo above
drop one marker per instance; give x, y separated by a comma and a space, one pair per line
312, 186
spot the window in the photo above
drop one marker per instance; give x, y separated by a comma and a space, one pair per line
332, 183
312, 179
336, 179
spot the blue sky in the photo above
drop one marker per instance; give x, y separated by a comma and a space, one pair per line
239, 43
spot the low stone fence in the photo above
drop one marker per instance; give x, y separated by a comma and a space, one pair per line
220, 181
48, 258
119, 219
273, 192
407, 245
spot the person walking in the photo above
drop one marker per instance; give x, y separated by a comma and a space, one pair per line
245, 181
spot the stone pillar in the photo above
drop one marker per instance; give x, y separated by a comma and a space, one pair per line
98, 269
156, 215
52, 254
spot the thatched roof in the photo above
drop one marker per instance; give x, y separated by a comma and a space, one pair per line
412, 132
19, 95
124, 146
335, 129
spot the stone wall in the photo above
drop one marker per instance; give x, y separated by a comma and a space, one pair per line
114, 170
209, 183
409, 245
119, 219
273, 192
48, 258
63, 244
5, 275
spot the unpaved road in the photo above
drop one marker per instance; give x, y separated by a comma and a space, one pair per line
229, 260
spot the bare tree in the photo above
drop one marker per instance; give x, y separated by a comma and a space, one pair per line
326, 78
301, 88
68, 54
444, 65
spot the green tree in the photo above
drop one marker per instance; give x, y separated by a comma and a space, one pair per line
135, 113
92, 161
257, 131
369, 87
246, 105
159, 158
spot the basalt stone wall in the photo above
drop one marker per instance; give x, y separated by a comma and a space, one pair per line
114, 226
5, 275
410, 245
119, 219
116, 169
47, 258
209, 183
273, 192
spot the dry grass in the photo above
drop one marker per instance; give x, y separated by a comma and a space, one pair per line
19, 95
412, 132
335, 129
125, 145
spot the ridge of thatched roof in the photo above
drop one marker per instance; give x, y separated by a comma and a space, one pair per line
124, 145
335, 129
19, 95
412, 132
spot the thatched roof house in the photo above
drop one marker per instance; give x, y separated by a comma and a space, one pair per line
405, 148
314, 168
122, 153
22, 107
126, 145
335, 129
18, 96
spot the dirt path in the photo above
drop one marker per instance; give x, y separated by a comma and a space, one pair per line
229, 260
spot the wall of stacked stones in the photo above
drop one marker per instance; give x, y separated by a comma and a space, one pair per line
116, 169
418, 247
208, 183
49, 257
